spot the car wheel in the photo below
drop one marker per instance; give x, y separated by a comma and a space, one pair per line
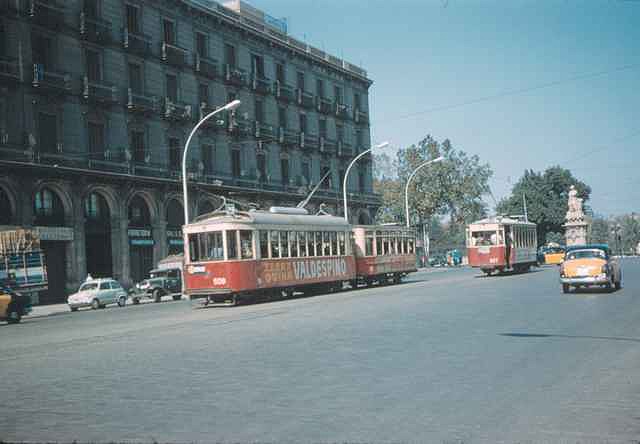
122, 301
74, 308
136, 301
14, 316
95, 304
565, 288
157, 296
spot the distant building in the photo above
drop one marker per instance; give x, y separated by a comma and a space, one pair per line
97, 98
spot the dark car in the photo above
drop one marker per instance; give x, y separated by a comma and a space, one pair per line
165, 282
13, 305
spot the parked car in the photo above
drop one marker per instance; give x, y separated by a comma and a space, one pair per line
98, 293
13, 305
590, 265
161, 282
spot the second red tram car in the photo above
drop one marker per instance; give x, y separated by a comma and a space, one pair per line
236, 255
502, 244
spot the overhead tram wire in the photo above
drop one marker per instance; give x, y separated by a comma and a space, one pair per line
514, 92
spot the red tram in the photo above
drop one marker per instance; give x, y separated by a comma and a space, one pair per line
232, 256
501, 244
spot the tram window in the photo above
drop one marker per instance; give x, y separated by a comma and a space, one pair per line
411, 250
275, 244
293, 241
368, 243
318, 243
302, 243
402, 244
326, 245
378, 243
284, 244
246, 244
482, 238
341, 243
386, 244
396, 241
194, 251
232, 245
214, 249
264, 244
334, 243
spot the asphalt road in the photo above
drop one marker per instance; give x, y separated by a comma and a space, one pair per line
446, 357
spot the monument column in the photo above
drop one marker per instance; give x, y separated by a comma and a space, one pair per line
575, 226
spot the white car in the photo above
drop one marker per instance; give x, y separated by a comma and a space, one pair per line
97, 293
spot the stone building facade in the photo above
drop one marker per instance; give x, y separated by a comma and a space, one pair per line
97, 98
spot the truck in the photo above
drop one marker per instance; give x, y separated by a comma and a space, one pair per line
165, 280
23, 272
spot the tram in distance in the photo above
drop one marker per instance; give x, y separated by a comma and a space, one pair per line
499, 244
242, 256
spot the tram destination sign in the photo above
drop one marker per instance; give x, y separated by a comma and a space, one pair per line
301, 270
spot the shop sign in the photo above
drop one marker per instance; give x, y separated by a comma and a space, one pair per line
140, 237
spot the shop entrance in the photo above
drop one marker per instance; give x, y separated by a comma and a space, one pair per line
98, 236
140, 239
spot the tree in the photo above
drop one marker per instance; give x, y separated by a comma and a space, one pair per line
599, 230
546, 196
453, 187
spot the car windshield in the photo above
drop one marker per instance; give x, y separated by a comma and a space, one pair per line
586, 254
91, 286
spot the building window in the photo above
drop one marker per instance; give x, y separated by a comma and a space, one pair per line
41, 49
96, 140
235, 163
306, 172
94, 67
356, 102
257, 66
138, 150
206, 154
322, 125
90, 8
175, 155
340, 132
300, 80
320, 88
261, 163
133, 19
284, 169
47, 133
282, 117
135, 78
169, 31
201, 44
95, 207
203, 93
48, 208
3, 40
361, 181
326, 183
303, 123
5, 208
172, 87
230, 55
139, 213
259, 109
337, 92
280, 73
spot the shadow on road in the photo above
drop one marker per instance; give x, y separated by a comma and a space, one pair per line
543, 335
508, 273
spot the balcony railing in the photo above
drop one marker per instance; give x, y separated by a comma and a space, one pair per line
176, 111
260, 84
238, 126
9, 70
234, 76
136, 43
327, 146
341, 110
173, 55
215, 123
47, 13
304, 98
360, 117
140, 103
323, 105
205, 66
50, 81
308, 141
287, 137
99, 92
95, 29
263, 131
284, 92
345, 149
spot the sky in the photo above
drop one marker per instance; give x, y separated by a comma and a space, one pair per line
522, 84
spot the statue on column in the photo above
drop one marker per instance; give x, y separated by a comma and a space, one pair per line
575, 226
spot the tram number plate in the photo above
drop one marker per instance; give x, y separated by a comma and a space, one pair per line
219, 281
484, 250
195, 269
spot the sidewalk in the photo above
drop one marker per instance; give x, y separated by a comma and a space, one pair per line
41, 311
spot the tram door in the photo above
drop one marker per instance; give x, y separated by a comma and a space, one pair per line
508, 242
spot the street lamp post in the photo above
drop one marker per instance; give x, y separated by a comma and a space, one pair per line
346, 175
411, 176
616, 232
228, 107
